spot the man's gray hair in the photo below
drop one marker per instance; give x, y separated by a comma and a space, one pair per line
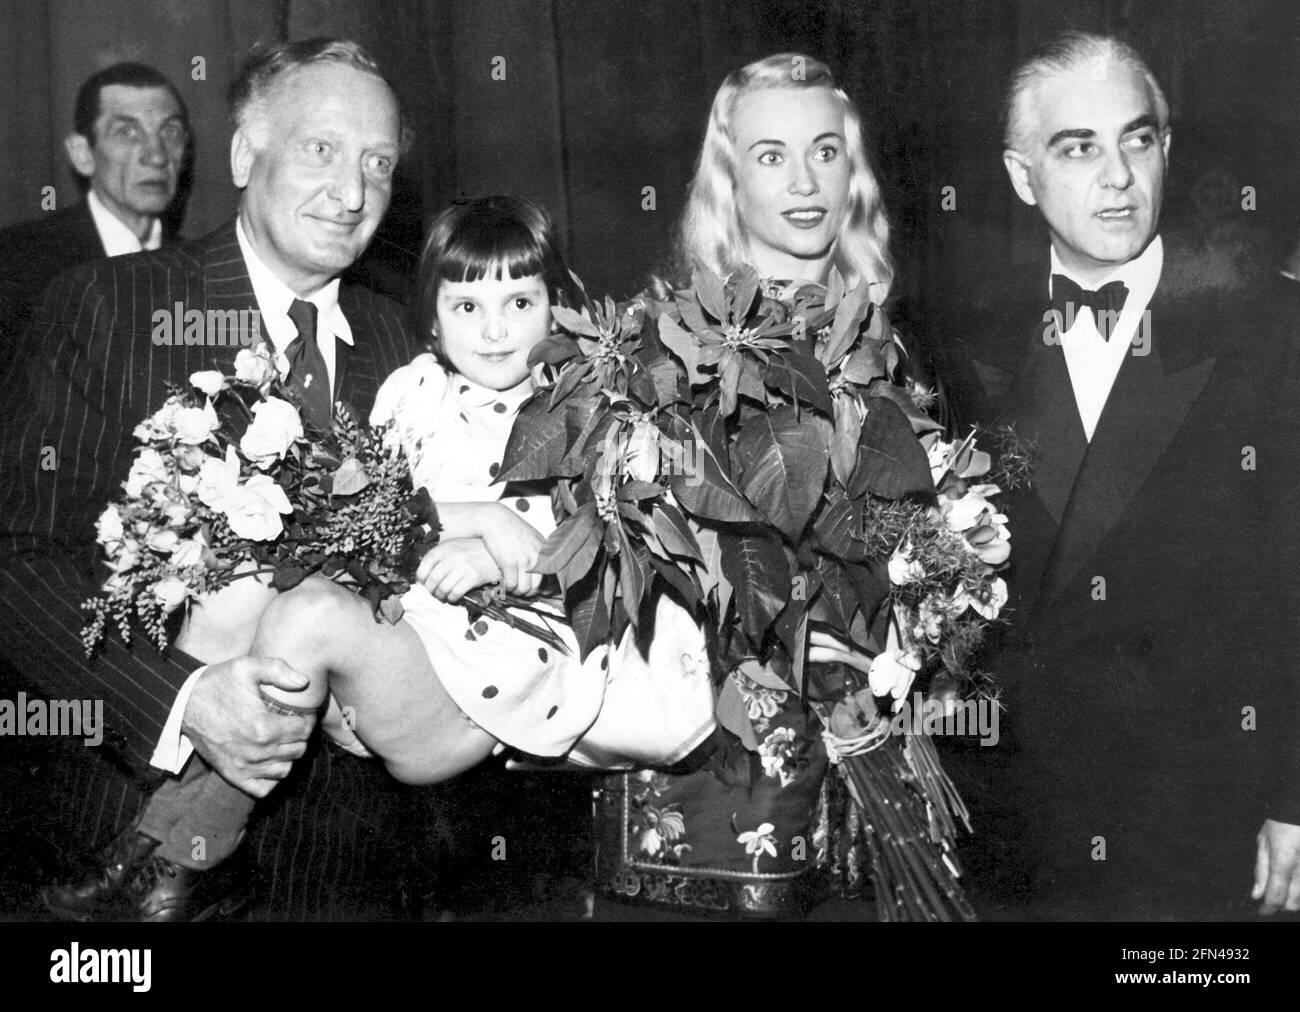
268, 63
1066, 52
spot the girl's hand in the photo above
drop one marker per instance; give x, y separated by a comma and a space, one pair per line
453, 568
825, 648
514, 545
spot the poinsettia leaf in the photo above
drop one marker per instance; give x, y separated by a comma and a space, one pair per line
711, 575
686, 346
553, 350
585, 429
872, 586
588, 612
849, 314
729, 381
633, 575
574, 541
745, 282
764, 675
732, 713
844, 441
679, 580
711, 293
641, 385
709, 493
575, 322
536, 443
800, 377
864, 365
839, 595
891, 463
836, 527
570, 376
750, 383
674, 532
760, 575
782, 461
638, 491
921, 422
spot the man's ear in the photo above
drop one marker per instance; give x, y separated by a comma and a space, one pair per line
241, 158
80, 154
1165, 139
1018, 170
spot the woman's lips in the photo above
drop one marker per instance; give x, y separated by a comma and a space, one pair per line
805, 217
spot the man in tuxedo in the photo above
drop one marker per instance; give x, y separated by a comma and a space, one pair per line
129, 141
1148, 663
318, 135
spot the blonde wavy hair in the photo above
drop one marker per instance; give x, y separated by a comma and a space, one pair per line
711, 233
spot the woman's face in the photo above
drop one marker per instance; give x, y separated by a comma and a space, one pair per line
792, 178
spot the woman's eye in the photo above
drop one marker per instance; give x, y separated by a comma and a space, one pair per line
827, 153
770, 158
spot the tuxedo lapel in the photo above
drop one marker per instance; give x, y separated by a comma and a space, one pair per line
1147, 406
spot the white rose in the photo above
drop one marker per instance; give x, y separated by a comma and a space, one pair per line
218, 478
159, 425
170, 592
108, 528
210, 381
253, 509
149, 467
163, 541
903, 569
275, 426
195, 425
892, 672
189, 552
253, 365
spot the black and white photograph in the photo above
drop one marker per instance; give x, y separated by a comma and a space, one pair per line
658, 461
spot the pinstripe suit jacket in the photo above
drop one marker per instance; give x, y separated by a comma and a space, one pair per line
89, 373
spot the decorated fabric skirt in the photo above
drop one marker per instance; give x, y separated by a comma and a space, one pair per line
738, 838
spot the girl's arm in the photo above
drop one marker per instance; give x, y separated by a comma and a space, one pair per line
512, 542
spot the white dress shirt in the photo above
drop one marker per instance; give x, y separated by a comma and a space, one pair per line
274, 298
1094, 362
119, 240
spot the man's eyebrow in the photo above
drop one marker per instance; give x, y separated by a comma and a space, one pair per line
1077, 134
1146, 120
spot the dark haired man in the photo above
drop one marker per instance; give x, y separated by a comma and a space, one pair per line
317, 138
1150, 665
129, 140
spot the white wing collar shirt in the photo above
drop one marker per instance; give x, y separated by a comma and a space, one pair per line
1094, 362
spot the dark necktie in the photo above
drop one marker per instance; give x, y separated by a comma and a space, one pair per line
307, 373
1106, 303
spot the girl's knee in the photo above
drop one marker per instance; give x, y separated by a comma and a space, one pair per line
301, 619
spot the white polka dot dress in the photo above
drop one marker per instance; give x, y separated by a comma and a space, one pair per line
621, 707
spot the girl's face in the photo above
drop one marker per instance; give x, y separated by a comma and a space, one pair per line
792, 178
488, 327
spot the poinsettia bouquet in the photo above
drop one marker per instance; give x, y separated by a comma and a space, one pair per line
229, 483
759, 450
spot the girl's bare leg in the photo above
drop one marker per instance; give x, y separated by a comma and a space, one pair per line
380, 675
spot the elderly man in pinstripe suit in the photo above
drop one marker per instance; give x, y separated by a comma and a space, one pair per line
318, 134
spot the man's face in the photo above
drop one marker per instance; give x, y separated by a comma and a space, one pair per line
316, 162
1094, 164
135, 156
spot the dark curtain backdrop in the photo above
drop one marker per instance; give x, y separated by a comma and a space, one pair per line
602, 98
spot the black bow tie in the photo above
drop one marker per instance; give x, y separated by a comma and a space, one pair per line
1106, 303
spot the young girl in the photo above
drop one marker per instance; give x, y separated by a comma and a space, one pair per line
435, 694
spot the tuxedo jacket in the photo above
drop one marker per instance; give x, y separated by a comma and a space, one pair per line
88, 374
1148, 657
32, 253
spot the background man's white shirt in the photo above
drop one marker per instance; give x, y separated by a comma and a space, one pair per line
1093, 362
119, 240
